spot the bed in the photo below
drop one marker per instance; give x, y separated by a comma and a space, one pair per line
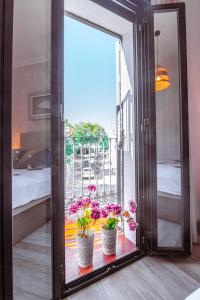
30, 185
169, 191
31, 189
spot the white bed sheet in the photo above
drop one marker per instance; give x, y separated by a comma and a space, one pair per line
169, 178
28, 186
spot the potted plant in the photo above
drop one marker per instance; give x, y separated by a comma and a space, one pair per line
87, 211
112, 214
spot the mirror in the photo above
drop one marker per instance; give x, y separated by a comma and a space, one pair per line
168, 130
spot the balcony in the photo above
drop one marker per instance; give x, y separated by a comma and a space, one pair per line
91, 161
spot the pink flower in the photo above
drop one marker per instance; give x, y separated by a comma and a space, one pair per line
114, 208
132, 206
86, 202
94, 204
96, 213
91, 188
104, 213
109, 207
73, 208
117, 209
132, 225
80, 202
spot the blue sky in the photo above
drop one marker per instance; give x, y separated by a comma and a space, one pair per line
90, 74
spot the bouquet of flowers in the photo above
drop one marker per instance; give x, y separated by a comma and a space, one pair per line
87, 211
112, 214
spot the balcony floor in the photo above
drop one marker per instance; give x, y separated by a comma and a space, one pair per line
124, 247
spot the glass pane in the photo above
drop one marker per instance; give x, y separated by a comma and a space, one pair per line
31, 149
169, 197
99, 137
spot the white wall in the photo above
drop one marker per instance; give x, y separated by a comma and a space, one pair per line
193, 51
127, 99
95, 13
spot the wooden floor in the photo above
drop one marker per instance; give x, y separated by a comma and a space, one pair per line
169, 234
32, 266
151, 278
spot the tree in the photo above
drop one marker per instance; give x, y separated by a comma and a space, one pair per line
85, 133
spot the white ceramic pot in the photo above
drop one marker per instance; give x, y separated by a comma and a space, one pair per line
109, 241
85, 250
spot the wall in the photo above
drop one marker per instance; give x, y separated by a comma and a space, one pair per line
193, 51
128, 110
31, 70
28, 80
31, 32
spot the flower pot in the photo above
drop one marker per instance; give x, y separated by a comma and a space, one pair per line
85, 250
109, 240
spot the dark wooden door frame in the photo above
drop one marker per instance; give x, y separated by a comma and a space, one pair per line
6, 27
149, 137
186, 248
57, 141
140, 12
6, 20
6, 41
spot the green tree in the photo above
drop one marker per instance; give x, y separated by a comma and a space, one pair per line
84, 133
89, 132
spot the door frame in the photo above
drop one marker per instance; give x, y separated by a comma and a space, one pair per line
133, 10
6, 47
185, 187
57, 138
57, 142
6, 28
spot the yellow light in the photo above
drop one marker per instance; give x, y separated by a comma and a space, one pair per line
162, 78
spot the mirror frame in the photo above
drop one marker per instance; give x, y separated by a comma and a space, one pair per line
184, 145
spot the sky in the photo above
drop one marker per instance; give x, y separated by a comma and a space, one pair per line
89, 74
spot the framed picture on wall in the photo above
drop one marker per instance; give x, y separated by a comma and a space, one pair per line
40, 106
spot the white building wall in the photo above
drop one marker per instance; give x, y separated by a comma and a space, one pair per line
127, 98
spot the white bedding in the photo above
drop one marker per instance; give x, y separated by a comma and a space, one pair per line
30, 185
169, 178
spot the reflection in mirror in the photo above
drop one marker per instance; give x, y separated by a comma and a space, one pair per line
31, 149
169, 197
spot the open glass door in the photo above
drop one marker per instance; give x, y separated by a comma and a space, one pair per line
105, 53
171, 209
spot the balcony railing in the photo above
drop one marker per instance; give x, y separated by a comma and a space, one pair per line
90, 161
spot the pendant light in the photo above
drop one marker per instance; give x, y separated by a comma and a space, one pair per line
161, 74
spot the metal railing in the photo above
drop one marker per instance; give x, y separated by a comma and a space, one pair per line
90, 161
